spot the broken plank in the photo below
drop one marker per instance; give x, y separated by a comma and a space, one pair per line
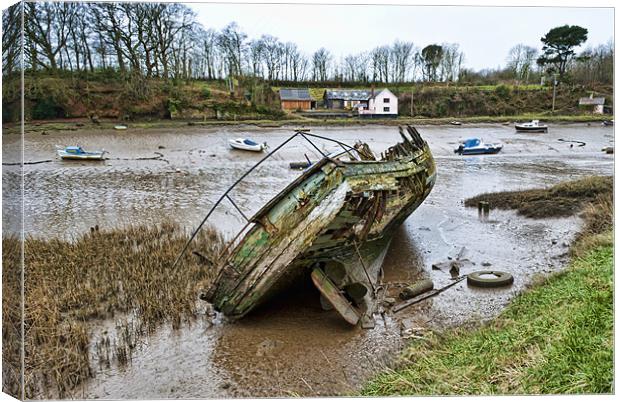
334, 297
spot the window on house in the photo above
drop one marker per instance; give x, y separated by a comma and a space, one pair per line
386, 100
386, 109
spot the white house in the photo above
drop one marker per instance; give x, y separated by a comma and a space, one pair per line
598, 104
381, 103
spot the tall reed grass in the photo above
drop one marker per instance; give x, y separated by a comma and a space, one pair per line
102, 275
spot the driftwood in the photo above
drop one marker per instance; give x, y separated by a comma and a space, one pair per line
416, 289
425, 296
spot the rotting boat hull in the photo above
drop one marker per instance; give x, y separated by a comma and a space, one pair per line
337, 219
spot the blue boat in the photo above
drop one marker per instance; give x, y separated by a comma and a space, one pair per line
475, 146
77, 153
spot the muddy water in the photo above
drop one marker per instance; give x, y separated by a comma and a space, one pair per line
291, 346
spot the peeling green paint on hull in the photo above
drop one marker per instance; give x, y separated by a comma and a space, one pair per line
339, 216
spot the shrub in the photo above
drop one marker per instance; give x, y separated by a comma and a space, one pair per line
47, 108
502, 91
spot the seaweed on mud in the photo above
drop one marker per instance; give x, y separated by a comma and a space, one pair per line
103, 274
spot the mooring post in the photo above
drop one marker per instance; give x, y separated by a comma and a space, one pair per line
486, 208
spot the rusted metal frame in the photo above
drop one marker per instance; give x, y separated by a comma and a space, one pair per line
243, 176
237, 208
342, 144
357, 250
312, 143
347, 151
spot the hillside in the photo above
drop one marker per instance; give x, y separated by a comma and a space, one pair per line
104, 96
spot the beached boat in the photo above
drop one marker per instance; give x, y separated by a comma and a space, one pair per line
332, 226
532, 127
608, 122
77, 153
247, 144
475, 146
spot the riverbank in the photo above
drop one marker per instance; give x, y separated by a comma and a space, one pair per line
555, 338
86, 124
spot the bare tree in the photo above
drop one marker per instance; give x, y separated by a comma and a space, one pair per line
11, 38
402, 54
46, 27
231, 42
320, 64
451, 62
380, 60
521, 59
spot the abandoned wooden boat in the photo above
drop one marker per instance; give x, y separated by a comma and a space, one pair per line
332, 225
532, 127
246, 144
475, 146
77, 153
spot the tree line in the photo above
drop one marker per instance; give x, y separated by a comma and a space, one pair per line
164, 40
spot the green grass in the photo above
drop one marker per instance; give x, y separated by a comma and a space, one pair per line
556, 338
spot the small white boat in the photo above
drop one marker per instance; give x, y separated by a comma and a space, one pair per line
120, 127
77, 153
475, 146
533, 127
246, 144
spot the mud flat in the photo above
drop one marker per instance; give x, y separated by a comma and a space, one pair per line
291, 346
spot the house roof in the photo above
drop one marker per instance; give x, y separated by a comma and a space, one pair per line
295, 94
352, 94
592, 101
348, 94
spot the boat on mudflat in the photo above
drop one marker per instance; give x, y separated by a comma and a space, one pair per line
332, 226
533, 126
475, 146
77, 153
246, 144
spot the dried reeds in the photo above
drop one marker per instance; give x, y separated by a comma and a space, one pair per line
124, 272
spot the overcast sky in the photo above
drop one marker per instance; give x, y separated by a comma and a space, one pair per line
485, 34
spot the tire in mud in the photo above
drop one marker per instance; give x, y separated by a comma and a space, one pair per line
489, 279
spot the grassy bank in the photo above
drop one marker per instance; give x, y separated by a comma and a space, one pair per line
123, 275
139, 99
557, 337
